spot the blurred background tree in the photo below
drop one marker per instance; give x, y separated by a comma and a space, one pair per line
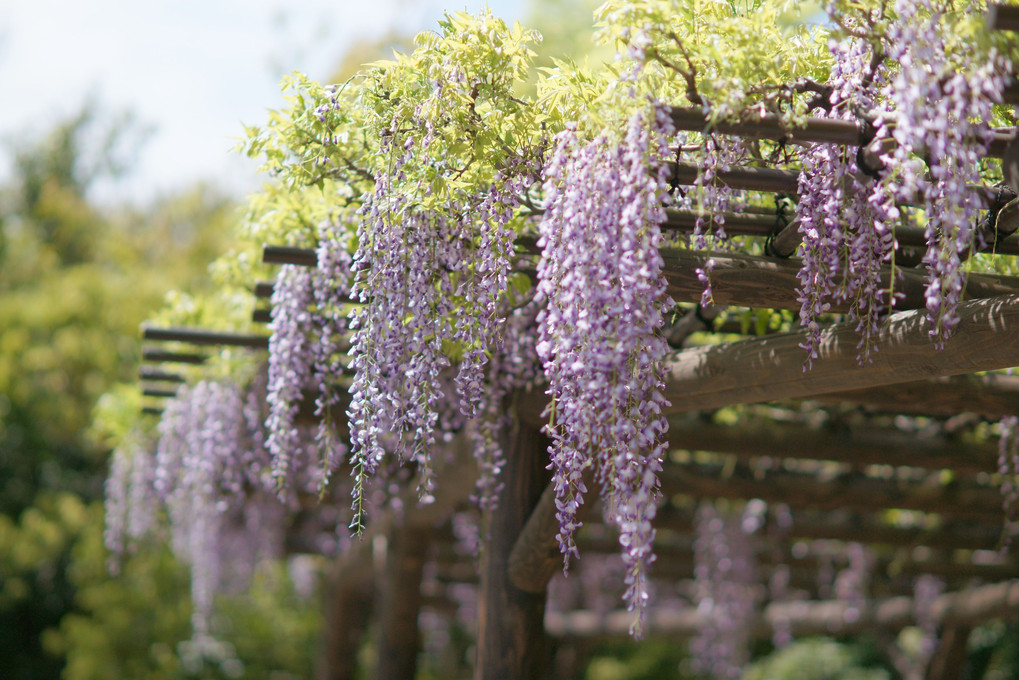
76, 280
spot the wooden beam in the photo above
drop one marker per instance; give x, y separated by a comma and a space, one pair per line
305, 257
263, 289
769, 126
201, 336
814, 130
154, 354
751, 281
772, 368
809, 617
400, 605
853, 492
158, 392
991, 396
856, 446
1001, 17
154, 374
869, 526
511, 637
536, 557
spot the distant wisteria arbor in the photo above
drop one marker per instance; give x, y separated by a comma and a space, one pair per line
510, 296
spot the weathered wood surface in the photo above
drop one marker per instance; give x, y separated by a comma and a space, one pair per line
458, 474
202, 336
771, 368
348, 607
991, 396
969, 607
950, 657
536, 556
851, 444
511, 637
400, 602
752, 281
854, 492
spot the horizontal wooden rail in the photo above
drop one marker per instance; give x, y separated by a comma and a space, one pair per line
815, 130
991, 396
305, 257
869, 526
199, 336
263, 289
772, 368
853, 492
158, 392
855, 446
752, 281
156, 355
156, 375
809, 617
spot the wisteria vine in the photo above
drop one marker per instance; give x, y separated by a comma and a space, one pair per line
600, 277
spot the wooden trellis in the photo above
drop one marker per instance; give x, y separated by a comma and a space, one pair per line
833, 445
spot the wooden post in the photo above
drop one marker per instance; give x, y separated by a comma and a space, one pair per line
950, 657
399, 638
349, 606
511, 633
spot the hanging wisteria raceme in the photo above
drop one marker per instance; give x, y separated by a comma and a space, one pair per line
926, 590
310, 336
717, 154
1008, 468
331, 288
600, 275
431, 284
291, 361
211, 472
939, 113
513, 365
397, 352
846, 217
725, 567
852, 583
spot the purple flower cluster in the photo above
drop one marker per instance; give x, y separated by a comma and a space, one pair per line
131, 507
309, 324
939, 113
845, 217
717, 154
853, 582
1008, 466
212, 474
431, 284
600, 275
926, 590
725, 567
513, 365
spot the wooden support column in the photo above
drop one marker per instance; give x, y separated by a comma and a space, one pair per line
351, 578
950, 656
399, 637
348, 609
511, 633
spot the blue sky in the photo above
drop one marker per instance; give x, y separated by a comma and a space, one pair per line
193, 71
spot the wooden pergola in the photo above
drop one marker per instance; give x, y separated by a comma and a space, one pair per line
881, 454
